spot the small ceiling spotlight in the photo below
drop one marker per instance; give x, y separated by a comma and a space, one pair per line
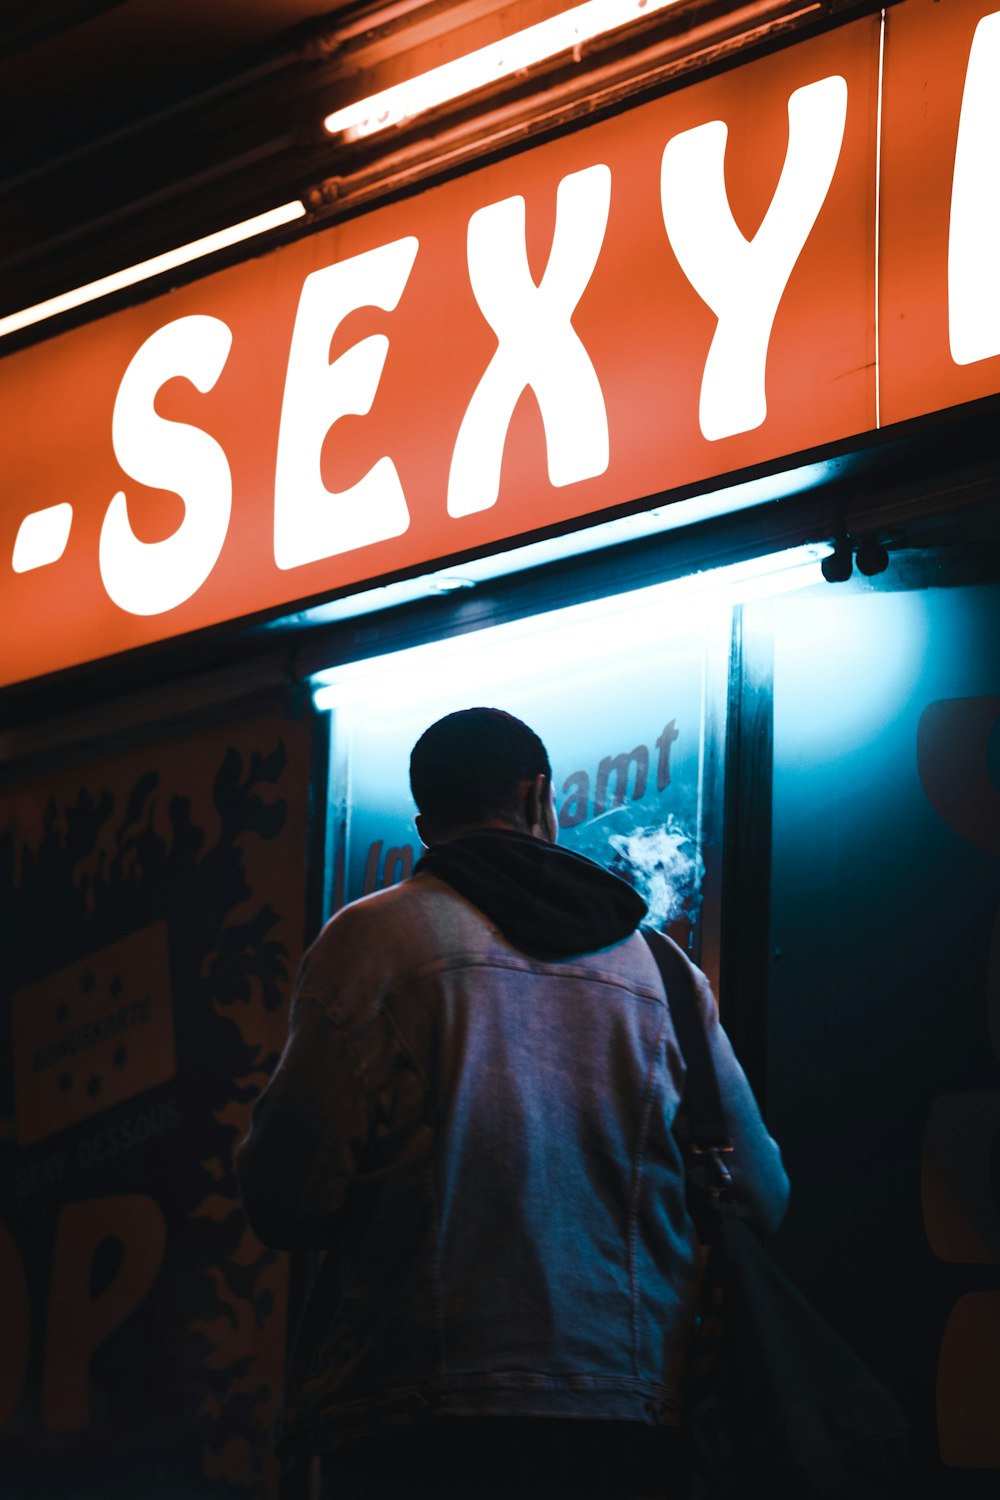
872, 557
838, 566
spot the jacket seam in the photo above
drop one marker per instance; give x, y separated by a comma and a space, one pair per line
440, 1339
395, 1026
436, 966
516, 1377
633, 1215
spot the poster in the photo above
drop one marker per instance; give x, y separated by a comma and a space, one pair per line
628, 698
153, 914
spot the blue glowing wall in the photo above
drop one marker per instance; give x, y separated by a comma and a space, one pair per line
884, 1005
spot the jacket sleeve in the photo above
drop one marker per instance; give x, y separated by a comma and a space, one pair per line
308, 1129
760, 1183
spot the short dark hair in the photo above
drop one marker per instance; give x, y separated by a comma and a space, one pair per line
469, 765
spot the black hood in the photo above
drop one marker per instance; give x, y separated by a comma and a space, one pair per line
547, 902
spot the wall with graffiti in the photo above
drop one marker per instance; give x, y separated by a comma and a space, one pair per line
152, 908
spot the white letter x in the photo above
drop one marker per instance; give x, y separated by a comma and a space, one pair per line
539, 346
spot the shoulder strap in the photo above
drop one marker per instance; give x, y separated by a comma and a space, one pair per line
701, 1092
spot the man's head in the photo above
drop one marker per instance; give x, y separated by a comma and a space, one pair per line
481, 768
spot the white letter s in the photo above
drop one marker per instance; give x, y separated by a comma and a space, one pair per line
148, 578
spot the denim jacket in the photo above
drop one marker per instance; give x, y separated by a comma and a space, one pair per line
484, 1144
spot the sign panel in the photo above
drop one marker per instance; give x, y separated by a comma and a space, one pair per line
940, 225
674, 294
93, 1035
677, 292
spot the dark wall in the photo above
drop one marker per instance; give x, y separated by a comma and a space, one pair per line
153, 912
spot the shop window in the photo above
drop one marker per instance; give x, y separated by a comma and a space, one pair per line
628, 695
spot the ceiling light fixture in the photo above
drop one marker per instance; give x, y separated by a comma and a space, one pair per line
168, 261
521, 50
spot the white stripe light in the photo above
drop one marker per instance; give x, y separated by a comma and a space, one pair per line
581, 632
220, 240
649, 523
521, 50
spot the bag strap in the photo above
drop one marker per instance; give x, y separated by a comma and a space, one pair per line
710, 1135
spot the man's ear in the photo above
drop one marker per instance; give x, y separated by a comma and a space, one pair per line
423, 832
540, 809
550, 818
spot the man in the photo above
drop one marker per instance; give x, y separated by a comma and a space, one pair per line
473, 1117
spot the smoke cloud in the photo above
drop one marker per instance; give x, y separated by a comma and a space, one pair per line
664, 864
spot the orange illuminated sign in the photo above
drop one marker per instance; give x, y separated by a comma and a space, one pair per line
676, 293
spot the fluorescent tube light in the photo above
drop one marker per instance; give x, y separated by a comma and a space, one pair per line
648, 523
220, 240
585, 631
521, 50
